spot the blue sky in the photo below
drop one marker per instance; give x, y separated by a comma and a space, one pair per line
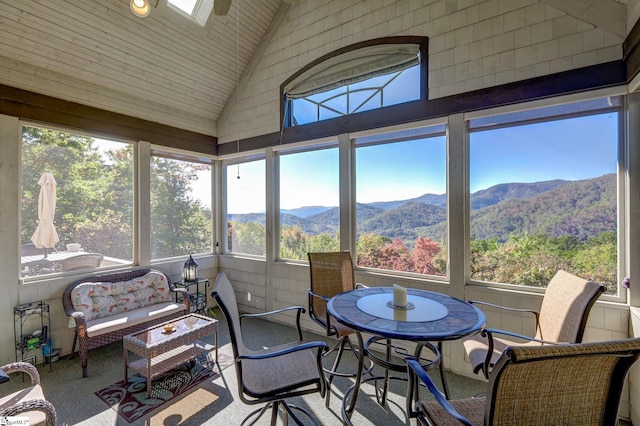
571, 149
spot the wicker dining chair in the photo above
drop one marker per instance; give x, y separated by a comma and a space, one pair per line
272, 375
332, 273
565, 384
562, 318
28, 401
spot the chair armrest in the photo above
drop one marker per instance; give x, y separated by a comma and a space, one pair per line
277, 311
186, 297
301, 347
491, 331
360, 285
319, 296
506, 308
23, 367
32, 405
416, 372
300, 310
79, 317
81, 322
326, 321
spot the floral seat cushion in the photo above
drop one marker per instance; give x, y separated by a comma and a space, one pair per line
104, 299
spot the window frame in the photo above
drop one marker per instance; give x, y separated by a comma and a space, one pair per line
621, 179
193, 157
222, 231
303, 147
422, 42
389, 130
135, 204
202, 10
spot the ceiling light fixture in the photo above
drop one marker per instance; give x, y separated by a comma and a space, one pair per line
140, 8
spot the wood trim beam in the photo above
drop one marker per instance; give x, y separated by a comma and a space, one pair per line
631, 52
49, 110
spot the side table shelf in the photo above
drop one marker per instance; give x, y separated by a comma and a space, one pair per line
198, 300
28, 337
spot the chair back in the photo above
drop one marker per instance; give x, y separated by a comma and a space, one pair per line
225, 296
565, 307
82, 261
331, 273
560, 384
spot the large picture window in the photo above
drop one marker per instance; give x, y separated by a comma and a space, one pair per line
543, 194
309, 202
77, 202
246, 204
182, 225
401, 201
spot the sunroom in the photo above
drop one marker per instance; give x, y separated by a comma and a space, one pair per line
471, 148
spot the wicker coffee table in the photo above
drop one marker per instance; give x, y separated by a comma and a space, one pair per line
160, 351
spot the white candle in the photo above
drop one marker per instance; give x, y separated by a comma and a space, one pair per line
399, 295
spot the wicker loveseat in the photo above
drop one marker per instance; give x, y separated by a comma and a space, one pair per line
104, 308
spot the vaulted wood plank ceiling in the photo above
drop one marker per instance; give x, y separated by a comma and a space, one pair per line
163, 68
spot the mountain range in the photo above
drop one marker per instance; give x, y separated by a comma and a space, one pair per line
580, 208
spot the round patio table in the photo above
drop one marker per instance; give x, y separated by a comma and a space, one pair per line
428, 317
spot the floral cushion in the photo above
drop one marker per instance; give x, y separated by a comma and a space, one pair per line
103, 299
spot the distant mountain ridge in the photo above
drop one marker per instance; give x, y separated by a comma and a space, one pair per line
556, 207
306, 211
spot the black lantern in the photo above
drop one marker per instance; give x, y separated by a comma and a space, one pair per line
190, 270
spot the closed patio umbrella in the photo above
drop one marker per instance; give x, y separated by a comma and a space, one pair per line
46, 236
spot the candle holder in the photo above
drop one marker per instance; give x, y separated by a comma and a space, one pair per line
409, 306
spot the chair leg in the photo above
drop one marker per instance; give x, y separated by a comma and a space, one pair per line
331, 373
73, 346
84, 357
289, 410
334, 368
275, 408
258, 413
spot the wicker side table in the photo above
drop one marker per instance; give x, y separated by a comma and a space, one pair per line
160, 351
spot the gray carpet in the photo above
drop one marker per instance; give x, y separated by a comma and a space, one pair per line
216, 402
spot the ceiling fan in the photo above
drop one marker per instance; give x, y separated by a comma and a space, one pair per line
221, 7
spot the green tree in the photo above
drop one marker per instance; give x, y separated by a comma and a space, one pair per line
324, 242
369, 249
95, 196
182, 225
424, 255
83, 187
294, 244
247, 238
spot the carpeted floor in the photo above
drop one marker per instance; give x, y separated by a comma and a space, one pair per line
215, 401
131, 400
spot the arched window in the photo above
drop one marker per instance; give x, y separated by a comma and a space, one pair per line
361, 77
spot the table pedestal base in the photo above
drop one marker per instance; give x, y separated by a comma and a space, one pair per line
386, 362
